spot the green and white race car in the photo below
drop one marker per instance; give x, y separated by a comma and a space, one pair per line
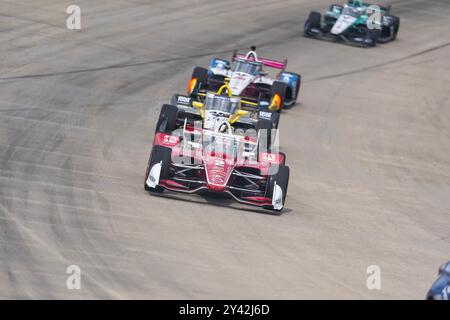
355, 22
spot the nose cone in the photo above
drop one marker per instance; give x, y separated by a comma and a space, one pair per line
239, 81
218, 172
342, 24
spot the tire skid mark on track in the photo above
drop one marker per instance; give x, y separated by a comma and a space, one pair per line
58, 168
12, 147
347, 210
20, 230
142, 237
134, 195
380, 65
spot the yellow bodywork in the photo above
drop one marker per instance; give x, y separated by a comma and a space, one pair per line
234, 117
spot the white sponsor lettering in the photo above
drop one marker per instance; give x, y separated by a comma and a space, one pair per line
265, 115
170, 139
182, 99
269, 157
219, 163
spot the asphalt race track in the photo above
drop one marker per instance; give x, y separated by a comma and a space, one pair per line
368, 147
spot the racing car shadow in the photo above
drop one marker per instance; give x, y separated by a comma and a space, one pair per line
217, 200
288, 108
341, 42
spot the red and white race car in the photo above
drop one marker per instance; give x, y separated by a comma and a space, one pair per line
247, 78
211, 155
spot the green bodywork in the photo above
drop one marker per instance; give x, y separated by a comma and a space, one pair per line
362, 20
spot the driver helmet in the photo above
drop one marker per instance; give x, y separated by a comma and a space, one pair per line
357, 3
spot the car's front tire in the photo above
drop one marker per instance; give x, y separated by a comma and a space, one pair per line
278, 182
313, 21
159, 155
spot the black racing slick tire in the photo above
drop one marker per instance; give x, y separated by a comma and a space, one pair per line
396, 24
389, 31
279, 88
163, 155
313, 21
290, 94
281, 178
167, 120
201, 76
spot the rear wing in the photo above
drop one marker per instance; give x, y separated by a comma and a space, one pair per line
270, 63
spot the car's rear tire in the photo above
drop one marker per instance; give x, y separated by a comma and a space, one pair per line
201, 76
280, 178
163, 155
389, 31
167, 120
396, 24
279, 88
293, 95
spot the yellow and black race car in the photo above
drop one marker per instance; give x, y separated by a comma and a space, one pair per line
243, 115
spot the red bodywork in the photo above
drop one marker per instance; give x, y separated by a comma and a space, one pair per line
216, 173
